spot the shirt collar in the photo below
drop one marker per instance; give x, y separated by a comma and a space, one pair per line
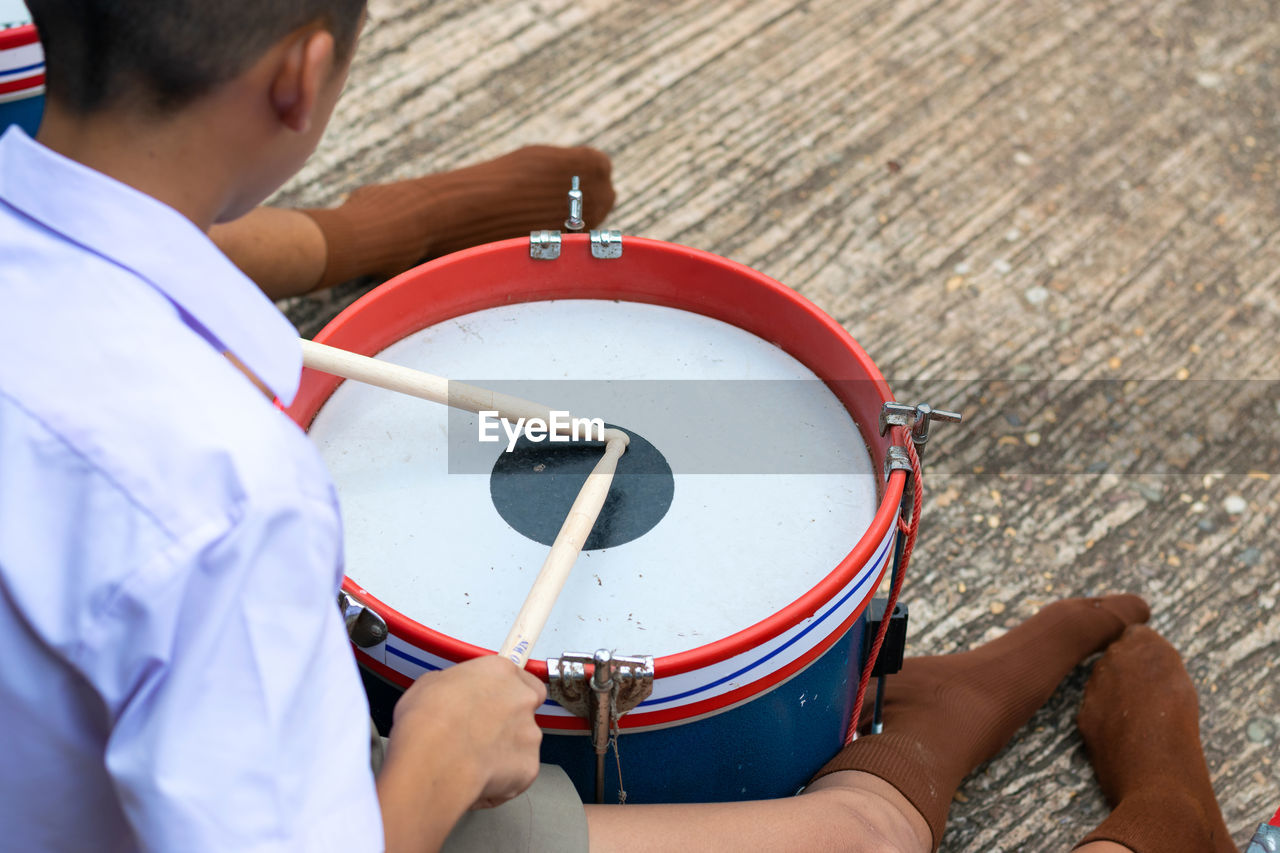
139, 233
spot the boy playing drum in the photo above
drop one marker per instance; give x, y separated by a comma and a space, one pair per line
175, 674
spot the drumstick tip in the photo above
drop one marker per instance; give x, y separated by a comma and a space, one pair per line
616, 435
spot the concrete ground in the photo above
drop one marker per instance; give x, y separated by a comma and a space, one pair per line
1060, 218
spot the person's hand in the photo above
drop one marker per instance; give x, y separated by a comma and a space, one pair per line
477, 717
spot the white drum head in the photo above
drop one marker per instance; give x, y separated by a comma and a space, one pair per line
13, 13
744, 535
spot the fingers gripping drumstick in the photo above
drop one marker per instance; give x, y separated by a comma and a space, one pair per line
582, 515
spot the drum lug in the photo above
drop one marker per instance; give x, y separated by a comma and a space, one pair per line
896, 459
544, 245
918, 418
364, 626
606, 244
615, 685
627, 680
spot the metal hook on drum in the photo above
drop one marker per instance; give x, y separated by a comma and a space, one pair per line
918, 419
364, 626
605, 244
615, 686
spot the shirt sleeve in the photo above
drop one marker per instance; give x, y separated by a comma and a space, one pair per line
238, 720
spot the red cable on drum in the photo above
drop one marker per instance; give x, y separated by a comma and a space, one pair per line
909, 530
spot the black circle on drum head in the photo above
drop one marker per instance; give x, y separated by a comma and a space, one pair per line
533, 485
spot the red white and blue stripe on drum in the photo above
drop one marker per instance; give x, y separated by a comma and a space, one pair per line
700, 692
21, 78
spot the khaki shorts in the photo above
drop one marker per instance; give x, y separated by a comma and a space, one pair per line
547, 818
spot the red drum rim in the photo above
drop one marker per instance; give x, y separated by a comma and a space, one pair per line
653, 272
18, 36
20, 87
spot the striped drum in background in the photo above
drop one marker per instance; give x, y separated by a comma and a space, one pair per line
21, 68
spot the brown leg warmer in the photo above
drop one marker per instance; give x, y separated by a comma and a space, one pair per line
384, 229
1140, 723
947, 714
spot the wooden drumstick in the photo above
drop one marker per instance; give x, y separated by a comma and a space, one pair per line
582, 515
416, 383
564, 552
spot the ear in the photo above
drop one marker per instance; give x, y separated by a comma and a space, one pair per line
306, 64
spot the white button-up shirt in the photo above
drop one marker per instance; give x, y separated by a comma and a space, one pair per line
174, 674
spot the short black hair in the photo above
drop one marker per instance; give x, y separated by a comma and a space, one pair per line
168, 52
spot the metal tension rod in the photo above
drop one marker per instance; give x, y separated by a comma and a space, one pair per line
919, 419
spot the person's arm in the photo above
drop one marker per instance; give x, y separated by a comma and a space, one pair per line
382, 230
282, 250
463, 738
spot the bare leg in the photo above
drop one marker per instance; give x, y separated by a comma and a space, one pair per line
1103, 847
847, 811
283, 251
